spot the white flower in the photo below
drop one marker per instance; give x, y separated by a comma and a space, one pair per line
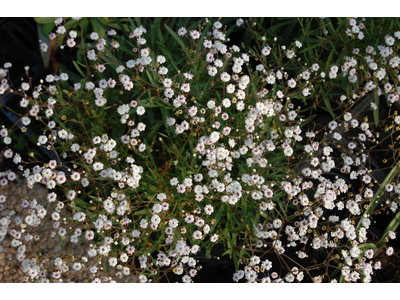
197, 235
155, 219
389, 251
271, 79
124, 257
168, 92
306, 92
7, 140
236, 68
160, 59
288, 151
230, 88
120, 69
77, 266
211, 104
75, 147
173, 223
50, 78
75, 176
64, 76
25, 86
144, 52
226, 102
220, 47
290, 54
225, 77
194, 34
266, 51
98, 166
171, 121
142, 147
43, 47
212, 71
140, 110
347, 116
85, 182
182, 31
94, 36
217, 25
291, 83
174, 181
89, 85
123, 109
26, 121
143, 223
91, 55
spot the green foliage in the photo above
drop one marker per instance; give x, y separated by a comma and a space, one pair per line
260, 139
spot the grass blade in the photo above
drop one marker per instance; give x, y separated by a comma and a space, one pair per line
176, 37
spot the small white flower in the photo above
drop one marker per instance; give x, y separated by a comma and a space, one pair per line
98, 166
168, 92
94, 36
7, 140
347, 116
217, 25
173, 223
142, 147
25, 86
230, 88
160, 59
140, 110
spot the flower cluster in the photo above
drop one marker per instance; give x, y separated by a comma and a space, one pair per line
161, 159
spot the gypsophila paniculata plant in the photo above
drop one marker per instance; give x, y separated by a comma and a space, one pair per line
175, 139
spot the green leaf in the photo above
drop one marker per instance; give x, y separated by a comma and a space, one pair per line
309, 48
329, 107
107, 266
82, 203
376, 111
154, 129
374, 202
117, 20
334, 31
208, 251
330, 57
229, 251
143, 212
97, 27
79, 69
60, 241
176, 37
366, 246
45, 39
69, 24
100, 23
217, 217
72, 76
47, 28
282, 24
391, 227
89, 213
150, 76
44, 20
155, 245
